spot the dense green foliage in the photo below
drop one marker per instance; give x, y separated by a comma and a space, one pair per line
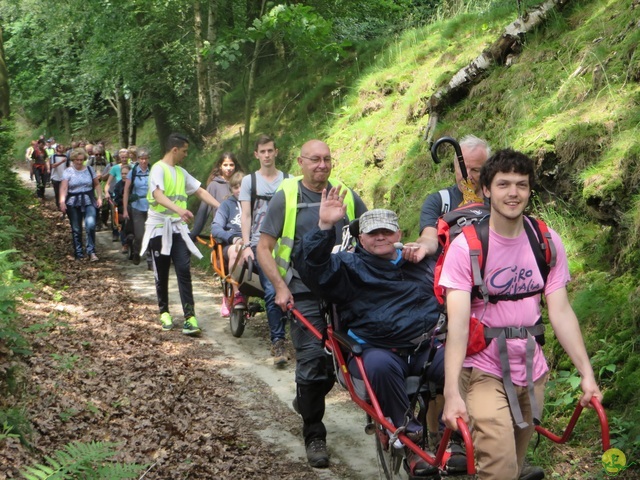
570, 100
12, 201
74, 63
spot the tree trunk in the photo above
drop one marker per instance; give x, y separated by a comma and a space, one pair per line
254, 9
58, 117
212, 80
133, 134
278, 43
201, 71
248, 104
500, 53
132, 120
120, 106
66, 121
163, 128
5, 109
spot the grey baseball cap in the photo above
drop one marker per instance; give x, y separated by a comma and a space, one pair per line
377, 219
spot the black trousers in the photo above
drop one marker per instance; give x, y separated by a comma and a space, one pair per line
315, 375
41, 180
181, 258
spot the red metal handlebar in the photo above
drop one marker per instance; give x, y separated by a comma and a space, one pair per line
463, 429
372, 407
604, 425
303, 321
374, 410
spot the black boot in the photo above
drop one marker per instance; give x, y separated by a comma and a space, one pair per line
531, 472
311, 406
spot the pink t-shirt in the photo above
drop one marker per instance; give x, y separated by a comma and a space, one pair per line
510, 267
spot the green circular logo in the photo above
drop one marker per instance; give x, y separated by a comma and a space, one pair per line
614, 461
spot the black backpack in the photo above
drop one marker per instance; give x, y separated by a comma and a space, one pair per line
255, 196
134, 168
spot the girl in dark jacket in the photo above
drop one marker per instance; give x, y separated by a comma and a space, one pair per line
40, 168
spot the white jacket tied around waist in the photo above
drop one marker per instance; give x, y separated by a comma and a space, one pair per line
169, 225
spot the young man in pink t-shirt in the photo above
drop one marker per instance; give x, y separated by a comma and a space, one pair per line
475, 385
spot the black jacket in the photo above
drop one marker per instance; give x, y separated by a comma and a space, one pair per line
385, 305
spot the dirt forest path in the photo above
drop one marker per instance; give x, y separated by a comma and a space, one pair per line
213, 407
264, 392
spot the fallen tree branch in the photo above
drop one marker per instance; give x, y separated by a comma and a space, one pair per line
497, 53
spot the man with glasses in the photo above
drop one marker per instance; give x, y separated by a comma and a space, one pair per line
293, 211
475, 152
256, 191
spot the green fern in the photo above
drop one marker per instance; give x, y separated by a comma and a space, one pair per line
83, 461
117, 471
14, 421
11, 286
6, 432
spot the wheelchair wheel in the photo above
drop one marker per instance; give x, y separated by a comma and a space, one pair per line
389, 458
237, 322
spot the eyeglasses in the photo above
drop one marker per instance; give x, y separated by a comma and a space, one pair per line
326, 159
142, 157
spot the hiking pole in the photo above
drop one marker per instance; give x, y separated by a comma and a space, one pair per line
456, 147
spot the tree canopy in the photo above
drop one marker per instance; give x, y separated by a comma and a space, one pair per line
71, 62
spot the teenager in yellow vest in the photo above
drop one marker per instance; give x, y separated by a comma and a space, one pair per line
166, 231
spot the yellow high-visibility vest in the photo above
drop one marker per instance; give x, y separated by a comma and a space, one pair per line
284, 245
175, 190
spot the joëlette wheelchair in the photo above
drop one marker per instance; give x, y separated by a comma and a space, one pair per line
390, 439
241, 275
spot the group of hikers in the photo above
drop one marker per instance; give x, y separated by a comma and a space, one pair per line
94, 188
292, 227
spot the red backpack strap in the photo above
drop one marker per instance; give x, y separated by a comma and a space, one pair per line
542, 245
443, 230
444, 240
448, 227
547, 245
478, 241
437, 272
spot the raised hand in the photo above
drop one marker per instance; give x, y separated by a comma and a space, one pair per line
332, 208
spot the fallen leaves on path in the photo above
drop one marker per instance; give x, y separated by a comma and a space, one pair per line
102, 370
